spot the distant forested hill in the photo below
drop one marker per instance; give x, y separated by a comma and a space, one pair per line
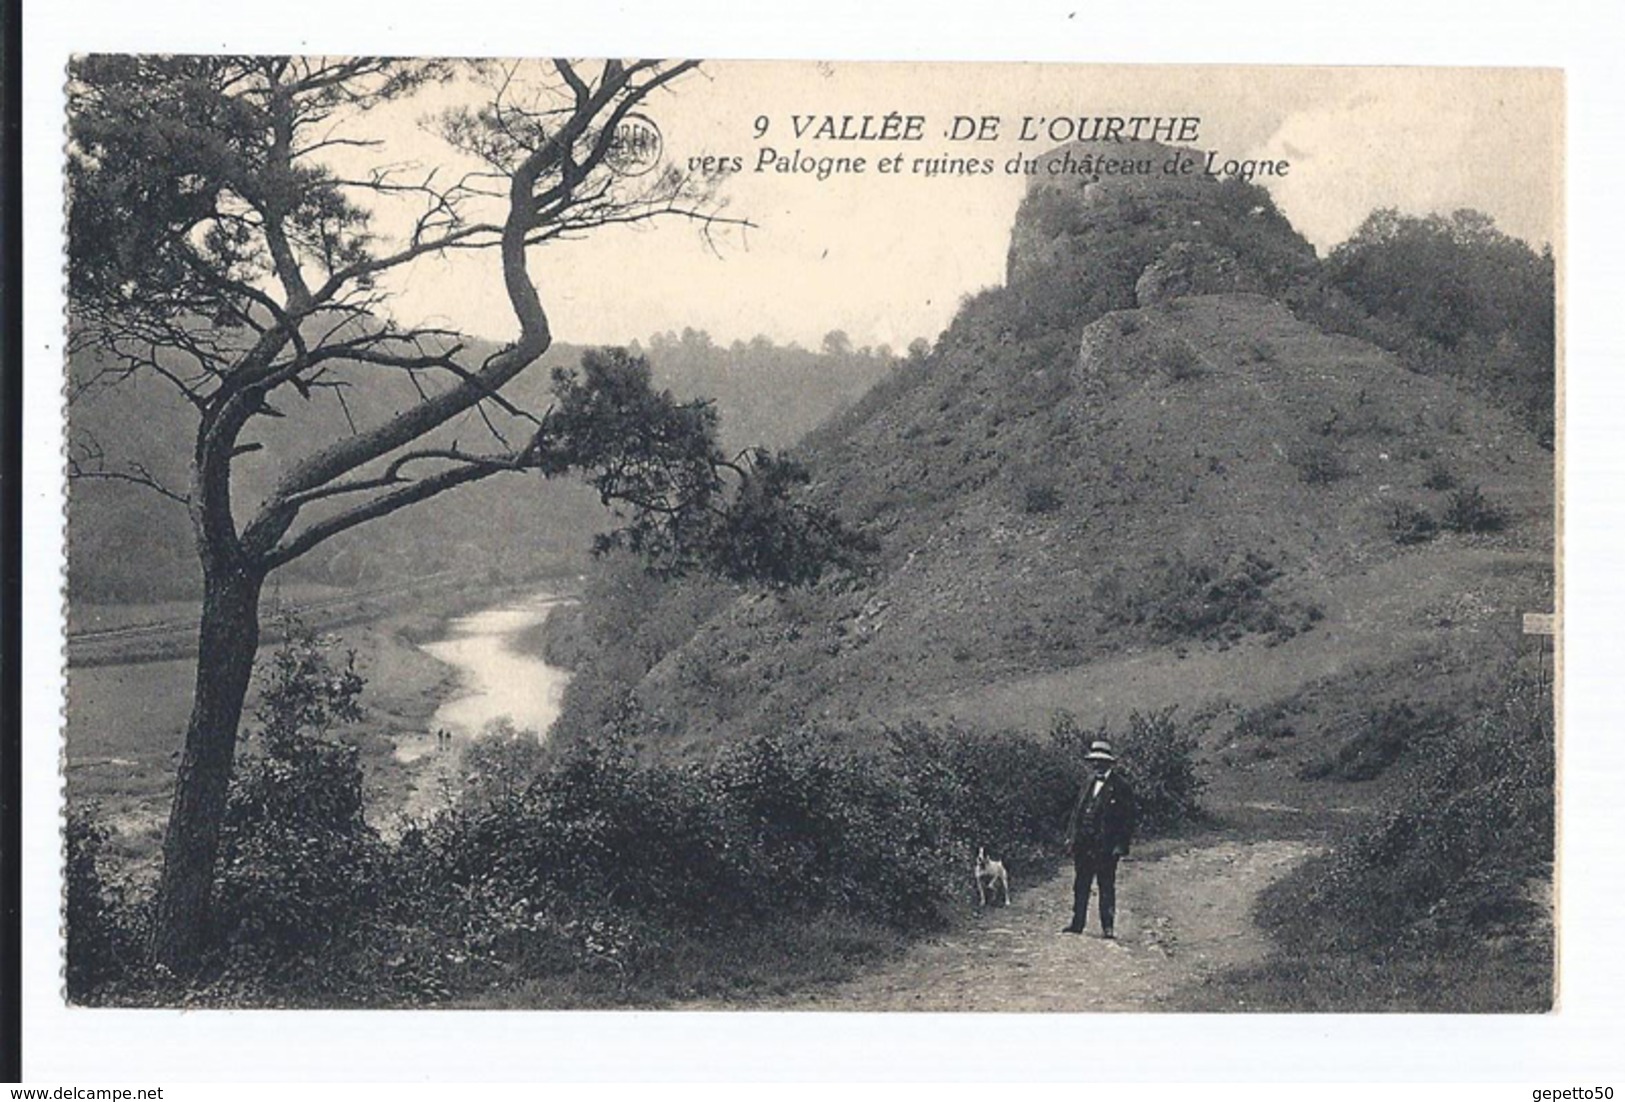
128, 544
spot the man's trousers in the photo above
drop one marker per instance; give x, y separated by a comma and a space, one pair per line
1091, 866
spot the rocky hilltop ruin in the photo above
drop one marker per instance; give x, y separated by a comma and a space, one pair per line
1134, 451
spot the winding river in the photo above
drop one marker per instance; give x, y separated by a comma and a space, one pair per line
496, 680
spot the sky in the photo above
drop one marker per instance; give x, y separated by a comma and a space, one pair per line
887, 258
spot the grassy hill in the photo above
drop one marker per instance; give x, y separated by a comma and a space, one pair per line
1099, 463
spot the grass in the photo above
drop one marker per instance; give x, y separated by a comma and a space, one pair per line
1385, 736
124, 726
764, 961
1515, 981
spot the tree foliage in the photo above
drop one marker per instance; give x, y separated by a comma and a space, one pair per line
226, 237
1457, 296
1449, 277
217, 244
686, 506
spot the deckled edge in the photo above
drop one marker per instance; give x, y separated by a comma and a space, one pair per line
62, 571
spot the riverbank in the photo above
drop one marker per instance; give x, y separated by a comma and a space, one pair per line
126, 720
496, 681
559, 639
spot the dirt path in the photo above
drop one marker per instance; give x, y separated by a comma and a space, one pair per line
1183, 913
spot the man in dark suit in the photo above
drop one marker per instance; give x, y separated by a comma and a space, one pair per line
1099, 832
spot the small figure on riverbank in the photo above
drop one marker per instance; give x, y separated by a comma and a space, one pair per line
1098, 834
442, 739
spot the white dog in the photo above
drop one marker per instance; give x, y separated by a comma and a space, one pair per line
991, 877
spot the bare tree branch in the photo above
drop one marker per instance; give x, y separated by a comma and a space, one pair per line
87, 462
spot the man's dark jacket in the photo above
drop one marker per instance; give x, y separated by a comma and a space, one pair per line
1104, 826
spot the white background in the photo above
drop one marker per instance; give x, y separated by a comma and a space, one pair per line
1583, 1041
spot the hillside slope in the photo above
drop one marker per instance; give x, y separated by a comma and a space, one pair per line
1133, 449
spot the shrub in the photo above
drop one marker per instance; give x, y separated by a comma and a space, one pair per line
1164, 761
1411, 524
830, 828
1266, 722
1386, 734
297, 862
105, 931
626, 878
1134, 210
1012, 792
1319, 464
779, 827
1180, 362
1468, 510
1178, 598
496, 766
1439, 477
1040, 498
1450, 862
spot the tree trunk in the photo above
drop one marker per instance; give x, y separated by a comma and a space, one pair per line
228, 637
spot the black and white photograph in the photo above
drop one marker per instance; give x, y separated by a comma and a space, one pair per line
582, 534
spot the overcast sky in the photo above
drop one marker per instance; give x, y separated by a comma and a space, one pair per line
887, 258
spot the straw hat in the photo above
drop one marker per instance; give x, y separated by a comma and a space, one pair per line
1100, 750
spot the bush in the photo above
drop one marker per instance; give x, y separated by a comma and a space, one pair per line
775, 827
1266, 722
594, 870
1319, 464
105, 931
1178, 598
1040, 498
1008, 791
1411, 524
1385, 735
1180, 362
624, 879
1451, 862
1439, 477
298, 863
496, 766
1468, 510
841, 831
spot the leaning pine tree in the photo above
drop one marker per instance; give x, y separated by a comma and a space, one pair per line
217, 245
